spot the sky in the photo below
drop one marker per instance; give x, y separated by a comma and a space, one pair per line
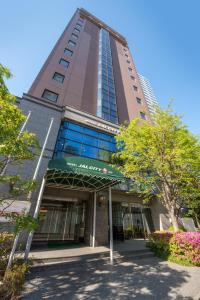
163, 36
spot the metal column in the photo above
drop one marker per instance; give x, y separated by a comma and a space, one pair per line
94, 220
111, 226
37, 209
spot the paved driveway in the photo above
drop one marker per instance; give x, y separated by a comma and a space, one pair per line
148, 278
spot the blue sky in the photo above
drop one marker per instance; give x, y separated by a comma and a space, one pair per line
164, 38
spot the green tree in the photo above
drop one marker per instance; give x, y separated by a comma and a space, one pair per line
15, 147
163, 158
193, 210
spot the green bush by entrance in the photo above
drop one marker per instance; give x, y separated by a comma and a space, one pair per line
179, 247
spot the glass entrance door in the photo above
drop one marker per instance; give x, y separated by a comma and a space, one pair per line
61, 222
131, 220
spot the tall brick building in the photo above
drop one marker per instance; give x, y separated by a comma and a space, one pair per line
89, 85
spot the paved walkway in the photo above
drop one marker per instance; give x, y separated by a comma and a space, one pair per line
148, 278
79, 252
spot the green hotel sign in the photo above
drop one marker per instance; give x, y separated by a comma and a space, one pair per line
84, 166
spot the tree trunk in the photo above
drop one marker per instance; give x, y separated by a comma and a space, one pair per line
197, 221
174, 220
170, 204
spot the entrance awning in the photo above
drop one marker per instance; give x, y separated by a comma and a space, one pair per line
82, 174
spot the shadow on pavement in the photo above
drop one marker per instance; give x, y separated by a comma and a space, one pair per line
142, 279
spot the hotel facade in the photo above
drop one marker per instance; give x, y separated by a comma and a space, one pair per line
87, 87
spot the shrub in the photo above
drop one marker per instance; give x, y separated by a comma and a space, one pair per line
185, 246
180, 228
181, 247
6, 240
14, 278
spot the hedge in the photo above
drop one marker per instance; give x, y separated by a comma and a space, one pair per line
181, 247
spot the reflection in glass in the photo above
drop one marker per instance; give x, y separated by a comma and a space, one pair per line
80, 140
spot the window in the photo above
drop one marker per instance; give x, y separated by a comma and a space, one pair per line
128, 61
68, 52
49, 95
64, 63
78, 25
74, 36
126, 55
81, 20
139, 101
71, 43
83, 141
132, 77
58, 77
135, 88
125, 49
130, 69
142, 115
76, 30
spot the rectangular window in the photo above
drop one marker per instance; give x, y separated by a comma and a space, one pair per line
76, 30
81, 20
78, 25
128, 61
130, 69
126, 55
64, 63
135, 88
58, 77
142, 115
49, 95
139, 101
68, 52
74, 36
71, 43
132, 77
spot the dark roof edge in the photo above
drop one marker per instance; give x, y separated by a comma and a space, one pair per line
100, 23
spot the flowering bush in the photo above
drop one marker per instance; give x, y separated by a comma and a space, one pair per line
183, 247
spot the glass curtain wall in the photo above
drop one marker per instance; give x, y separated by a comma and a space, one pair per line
106, 98
79, 140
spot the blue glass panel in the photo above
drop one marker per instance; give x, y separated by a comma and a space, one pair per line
73, 135
104, 155
72, 147
59, 145
88, 142
63, 133
86, 139
75, 127
90, 131
89, 151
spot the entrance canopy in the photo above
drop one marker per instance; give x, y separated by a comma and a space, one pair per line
82, 174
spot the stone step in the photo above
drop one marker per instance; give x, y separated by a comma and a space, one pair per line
89, 256
68, 262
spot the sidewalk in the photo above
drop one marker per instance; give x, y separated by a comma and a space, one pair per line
143, 279
77, 253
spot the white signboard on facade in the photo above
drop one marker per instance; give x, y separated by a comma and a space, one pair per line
87, 119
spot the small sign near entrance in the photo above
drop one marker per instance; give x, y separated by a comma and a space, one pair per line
105, 171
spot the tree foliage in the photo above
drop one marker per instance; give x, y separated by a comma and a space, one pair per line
15, 147
163, 158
